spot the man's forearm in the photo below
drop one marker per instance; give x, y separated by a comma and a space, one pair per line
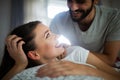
98, 73
104, 58
106, 76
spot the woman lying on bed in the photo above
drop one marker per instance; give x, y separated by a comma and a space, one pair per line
33, 44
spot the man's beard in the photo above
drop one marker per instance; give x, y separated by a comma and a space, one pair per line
83, 12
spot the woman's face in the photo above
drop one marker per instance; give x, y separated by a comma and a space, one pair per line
46, 42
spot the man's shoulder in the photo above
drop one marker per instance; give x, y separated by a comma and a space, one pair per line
107, 13
107, 9
61, 19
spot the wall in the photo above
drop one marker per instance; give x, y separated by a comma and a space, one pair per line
111, 3
35, 10
4, 23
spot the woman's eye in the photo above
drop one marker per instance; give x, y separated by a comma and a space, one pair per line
48, 35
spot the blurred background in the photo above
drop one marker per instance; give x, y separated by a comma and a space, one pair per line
16, 12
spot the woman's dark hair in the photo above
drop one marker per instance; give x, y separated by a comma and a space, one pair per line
24, 31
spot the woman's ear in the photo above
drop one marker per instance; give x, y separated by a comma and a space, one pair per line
33, 55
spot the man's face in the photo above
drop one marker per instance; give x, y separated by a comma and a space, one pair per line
79, 9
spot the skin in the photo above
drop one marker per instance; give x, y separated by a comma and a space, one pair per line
46, 43
47, 51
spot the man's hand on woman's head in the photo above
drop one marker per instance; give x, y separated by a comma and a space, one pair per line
14, 47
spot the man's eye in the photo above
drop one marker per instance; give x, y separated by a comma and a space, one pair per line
69, 0
77, 1
48, 35
80, 1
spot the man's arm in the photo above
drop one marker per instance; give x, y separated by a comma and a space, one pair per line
101, 65
66, 68
110, 52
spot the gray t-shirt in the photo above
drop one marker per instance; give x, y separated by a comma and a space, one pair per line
105, 27
75, 54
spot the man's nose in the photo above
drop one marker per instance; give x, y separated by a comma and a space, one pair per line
74, 6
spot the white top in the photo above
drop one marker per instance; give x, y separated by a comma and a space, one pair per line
105, 27
75, 54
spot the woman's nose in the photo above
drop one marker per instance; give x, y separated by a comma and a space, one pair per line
56, 36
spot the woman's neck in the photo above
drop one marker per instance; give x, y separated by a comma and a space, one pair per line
43, 61
63, 55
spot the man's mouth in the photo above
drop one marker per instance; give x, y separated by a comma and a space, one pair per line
76, 12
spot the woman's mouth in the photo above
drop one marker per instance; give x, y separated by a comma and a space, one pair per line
61, 41
58, 45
